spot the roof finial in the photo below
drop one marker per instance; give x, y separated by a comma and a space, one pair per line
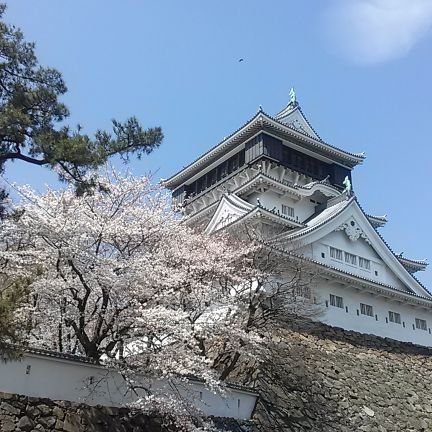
260, 108
292, 95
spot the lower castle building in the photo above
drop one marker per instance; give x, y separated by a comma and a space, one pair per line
279, 174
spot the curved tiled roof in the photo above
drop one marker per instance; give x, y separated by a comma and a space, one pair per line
381, 218
377, 221
321, 219
199, 213
252, 179
55, 354
284, 183
362, 278
309, 123
392, 251
413, 261
214, 148
216, 185
223, 145
267, 212
319, 143
412, 264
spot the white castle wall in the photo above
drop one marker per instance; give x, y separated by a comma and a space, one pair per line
348, 318
378, 271
302, 209
59, 379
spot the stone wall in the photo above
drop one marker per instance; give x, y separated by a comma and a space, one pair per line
28, 414
328, 379
21, 413
319, 379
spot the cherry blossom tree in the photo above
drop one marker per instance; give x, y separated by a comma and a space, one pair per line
116, 276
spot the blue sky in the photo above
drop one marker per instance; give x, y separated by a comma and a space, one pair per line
361, 70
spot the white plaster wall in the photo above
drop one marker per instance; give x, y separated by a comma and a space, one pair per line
58, 379
302, 209
349, 320
360, 248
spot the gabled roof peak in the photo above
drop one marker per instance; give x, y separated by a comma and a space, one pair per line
338, 216
293, 116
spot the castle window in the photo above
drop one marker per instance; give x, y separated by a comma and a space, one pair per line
200, 185
420, 324
350, 258
303, 291
286, 155
394, 317
336, 301
287, 211
233, 163
298, 160
223, 170
364, 263
212, 177
366, 309
335, 253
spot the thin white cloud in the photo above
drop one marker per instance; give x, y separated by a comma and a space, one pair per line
373, 31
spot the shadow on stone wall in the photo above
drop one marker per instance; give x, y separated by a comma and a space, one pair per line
321, 378
29, 414
22, 413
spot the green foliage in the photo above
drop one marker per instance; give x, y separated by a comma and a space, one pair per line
11, 296
32, 118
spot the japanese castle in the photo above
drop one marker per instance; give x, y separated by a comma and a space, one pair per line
277, 172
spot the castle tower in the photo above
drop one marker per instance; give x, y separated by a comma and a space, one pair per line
277, 173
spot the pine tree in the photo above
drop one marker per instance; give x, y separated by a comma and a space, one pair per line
32, 118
